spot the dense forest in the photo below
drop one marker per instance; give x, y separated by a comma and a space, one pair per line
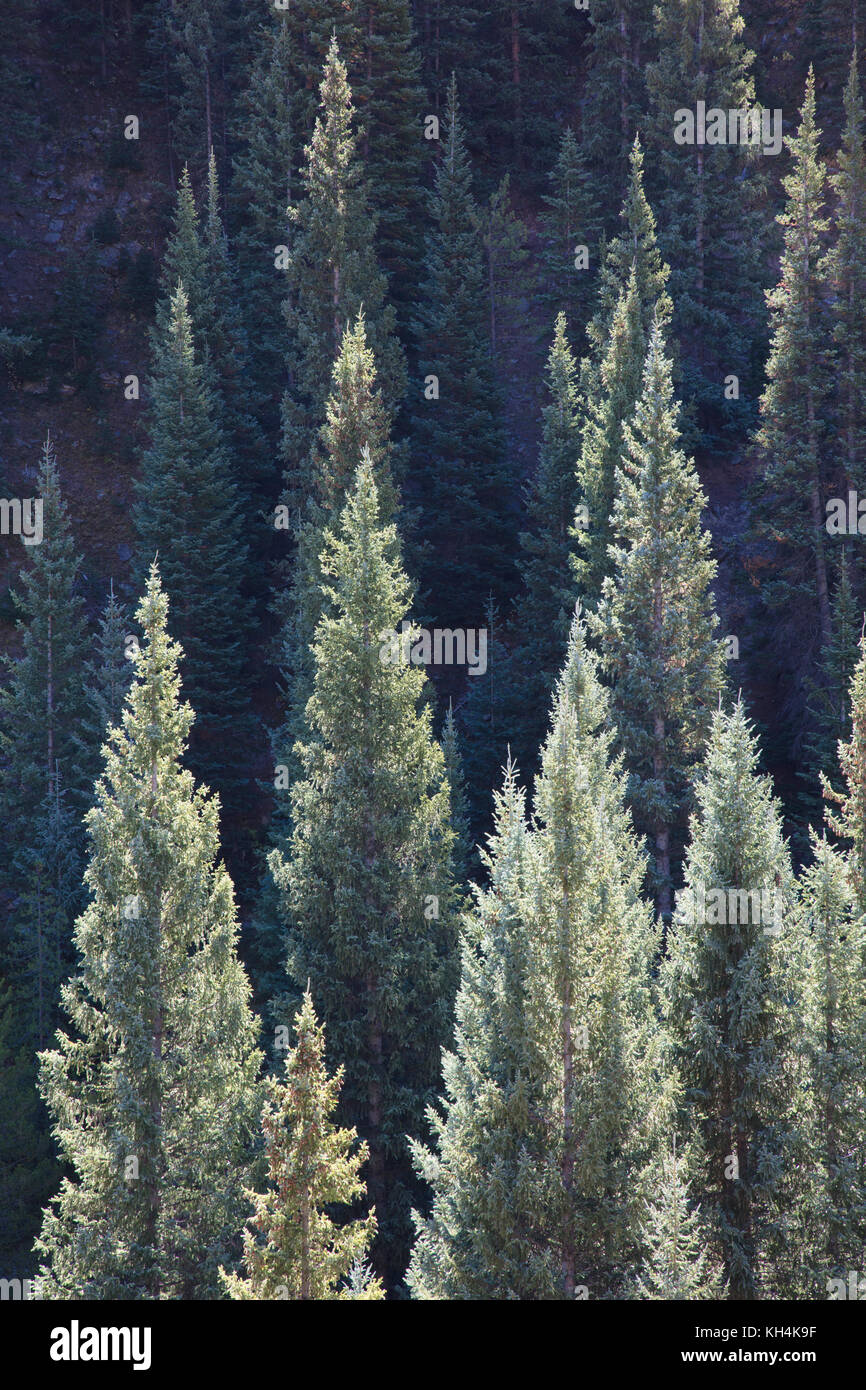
432, 657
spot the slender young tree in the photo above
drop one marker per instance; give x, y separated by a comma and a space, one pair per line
42, 797
793, 405
332, 274
727, 987
367, 873
542, 614
42, 700
459, 477
602, 443
676, 1264
262, 189
486, 1236
153, 1092
571, 226
186, 512
293, 1249
847, 271
107, 677
656, 620
636, 248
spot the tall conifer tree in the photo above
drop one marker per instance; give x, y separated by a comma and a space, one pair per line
793, 405
709, 197
558, 1094
367, 874
655, 622
847, 269
459, 476
153, 1093
332, 275
187, 513
728, 992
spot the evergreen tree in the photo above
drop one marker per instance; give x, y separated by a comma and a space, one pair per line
847, 271
656, 620
504, 238
197, 256
463, 855
356, 425
224, 340
558, 1094
676, 1263
42, 701
42, 796
828, 710
793, 405
543, 611
367, 874
153, 1096
602, 443
385, 75
332, 275
485, 1237
570, 222
727, 990
186, 512
622, 41
831, 983
264, 179
709, 199
107, 678
292, 1247
635, 247
459, 475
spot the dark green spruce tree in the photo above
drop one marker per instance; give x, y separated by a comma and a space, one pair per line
793, 430
709, 202
262, 188
459, 477
656, 621
186, 512
571, 232
42, 797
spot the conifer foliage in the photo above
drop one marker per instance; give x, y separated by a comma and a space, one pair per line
153, 1090
655, 622
292, 1247
366, 875
557, 1093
